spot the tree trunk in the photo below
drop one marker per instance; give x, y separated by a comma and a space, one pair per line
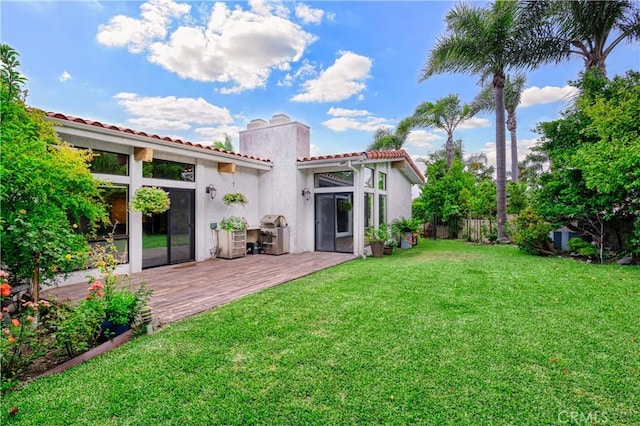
501, 166
512, 125
449, 148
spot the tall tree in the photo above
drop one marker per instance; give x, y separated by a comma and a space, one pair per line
485, 101
446, 114
588, 28
487, 41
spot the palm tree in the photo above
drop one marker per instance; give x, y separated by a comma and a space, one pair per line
446, 114
386, 140
487, 41
582, 27
485, 101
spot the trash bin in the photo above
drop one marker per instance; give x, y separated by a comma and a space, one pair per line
252, 248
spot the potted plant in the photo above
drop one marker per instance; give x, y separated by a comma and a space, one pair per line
406, 228
376, 237
233, 223
150, 200
232, 198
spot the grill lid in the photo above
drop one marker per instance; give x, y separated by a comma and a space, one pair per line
273, 221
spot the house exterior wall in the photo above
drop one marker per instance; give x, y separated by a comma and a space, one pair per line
282, 141
207, 210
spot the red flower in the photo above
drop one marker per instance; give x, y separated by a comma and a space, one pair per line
5, 290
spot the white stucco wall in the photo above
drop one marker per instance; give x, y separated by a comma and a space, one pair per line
281, 141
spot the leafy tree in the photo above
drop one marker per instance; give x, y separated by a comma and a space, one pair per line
227, 145
487, 41
441, 194
594, 152
583, 27
532, 167
478, 164
46, 189
446, 114
485, 101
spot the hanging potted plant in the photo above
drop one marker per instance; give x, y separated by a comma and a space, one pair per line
150, 200
232, 198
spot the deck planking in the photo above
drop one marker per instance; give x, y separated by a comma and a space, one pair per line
180, 291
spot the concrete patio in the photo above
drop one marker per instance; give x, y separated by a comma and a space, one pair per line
180, 291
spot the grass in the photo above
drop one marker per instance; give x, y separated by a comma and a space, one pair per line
444, 333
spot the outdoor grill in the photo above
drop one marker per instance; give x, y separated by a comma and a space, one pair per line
274, 234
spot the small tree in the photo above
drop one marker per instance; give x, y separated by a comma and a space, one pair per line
46, 190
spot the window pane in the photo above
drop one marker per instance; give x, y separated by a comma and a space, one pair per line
331, 179
368, 210
109, 163
163, 169
368, 177
382, 181
382, 209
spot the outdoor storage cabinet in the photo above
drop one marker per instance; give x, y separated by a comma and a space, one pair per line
232, 244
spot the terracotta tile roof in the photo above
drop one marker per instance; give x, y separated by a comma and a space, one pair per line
372, 155
64, 117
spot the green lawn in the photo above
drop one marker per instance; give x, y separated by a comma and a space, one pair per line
444, 333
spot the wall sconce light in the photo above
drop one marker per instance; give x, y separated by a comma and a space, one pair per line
306, 194
212, 191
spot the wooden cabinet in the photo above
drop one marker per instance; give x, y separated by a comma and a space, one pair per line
232, 243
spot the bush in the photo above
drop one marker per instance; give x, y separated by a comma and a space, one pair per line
77, 328
531, 233
582, 247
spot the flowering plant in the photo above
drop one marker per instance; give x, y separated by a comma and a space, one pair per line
20, 341
233, 223
232, 198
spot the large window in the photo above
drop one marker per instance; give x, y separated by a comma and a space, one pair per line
116, 198
333, 179
110, 163
164, 169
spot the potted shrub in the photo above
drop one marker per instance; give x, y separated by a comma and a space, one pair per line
233, 198
150, 200
406, 228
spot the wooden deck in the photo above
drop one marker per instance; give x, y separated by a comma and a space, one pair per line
180, 291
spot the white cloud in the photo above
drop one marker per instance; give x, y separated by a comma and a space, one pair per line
535, 95
65, 76
136, 34
422, 139
340, 81
474, 123
235, 46
170, 112
342, 124
315, 150
342, 112
308, 15
305, 70
524, 147
209, 135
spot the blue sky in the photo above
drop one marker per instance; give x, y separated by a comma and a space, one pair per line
197, 70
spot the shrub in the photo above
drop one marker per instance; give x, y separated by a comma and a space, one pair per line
582, 247
531, 233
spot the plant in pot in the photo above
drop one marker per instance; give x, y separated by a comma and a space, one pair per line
150, 200
233, 198
233, 223
406, 228
376, 237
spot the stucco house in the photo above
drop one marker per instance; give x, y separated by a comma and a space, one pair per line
327, 201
